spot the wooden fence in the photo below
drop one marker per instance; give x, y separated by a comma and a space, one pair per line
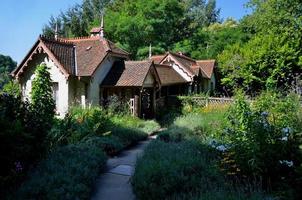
211, 100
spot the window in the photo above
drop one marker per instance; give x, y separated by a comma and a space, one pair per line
55, 93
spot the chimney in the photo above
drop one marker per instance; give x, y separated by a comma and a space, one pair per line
56, 31
150, 51
102, 27
98, 31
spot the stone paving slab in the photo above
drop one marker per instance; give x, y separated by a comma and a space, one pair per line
115, 183
114, 187
125, 170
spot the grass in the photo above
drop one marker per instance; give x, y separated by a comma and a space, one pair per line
205, 124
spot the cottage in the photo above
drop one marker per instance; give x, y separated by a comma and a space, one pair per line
198, 74
88, 70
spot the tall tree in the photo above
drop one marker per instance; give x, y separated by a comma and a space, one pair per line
209, 42
77, 20
273, 56
136, 23
7, 65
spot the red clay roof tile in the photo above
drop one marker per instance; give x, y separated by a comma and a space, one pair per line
127, 74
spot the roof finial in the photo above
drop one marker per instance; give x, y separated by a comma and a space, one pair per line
150, 51
56, 31
102, 27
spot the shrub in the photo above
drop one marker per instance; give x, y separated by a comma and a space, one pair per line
20, 145
184, 170
128, 136
177, 167
127, 121
205, 125
68, 173
12, 88
78, 124
111, 145
42, 101
264, 136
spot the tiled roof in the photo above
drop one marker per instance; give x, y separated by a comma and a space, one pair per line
185, 61
88, 51
91, 51
168, 76
207, 66
157, 58
129, 73
63, 51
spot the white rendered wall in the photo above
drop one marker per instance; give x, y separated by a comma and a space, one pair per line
97, 79
56, 76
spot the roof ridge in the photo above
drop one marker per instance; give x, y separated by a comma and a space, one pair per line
59, 40
138, 61
206, 60
182, 56
81, 38
158, 55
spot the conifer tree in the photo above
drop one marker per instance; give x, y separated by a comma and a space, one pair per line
42, 100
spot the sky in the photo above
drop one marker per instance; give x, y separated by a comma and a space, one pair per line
21, 21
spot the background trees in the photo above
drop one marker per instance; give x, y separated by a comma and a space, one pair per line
261, 51
272, 57
136, 24
7, 65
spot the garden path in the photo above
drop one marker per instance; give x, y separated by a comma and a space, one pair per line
115, 182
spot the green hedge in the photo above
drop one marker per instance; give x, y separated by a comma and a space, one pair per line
68, 173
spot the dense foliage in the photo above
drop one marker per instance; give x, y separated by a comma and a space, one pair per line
67, 173
7, 65
182, 165
257, 144
134, 25
264, 137
261, 51
77, 20
272, 57
42, 96
79, 143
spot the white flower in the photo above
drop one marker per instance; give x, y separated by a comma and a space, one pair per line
221, 148
284, 138
286, 162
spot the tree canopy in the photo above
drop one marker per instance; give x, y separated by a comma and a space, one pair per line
135, 24
272, 58
7, 65
261, 51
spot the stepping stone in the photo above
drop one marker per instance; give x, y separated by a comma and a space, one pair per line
125, 170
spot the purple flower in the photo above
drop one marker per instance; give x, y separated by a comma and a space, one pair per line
18, 166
